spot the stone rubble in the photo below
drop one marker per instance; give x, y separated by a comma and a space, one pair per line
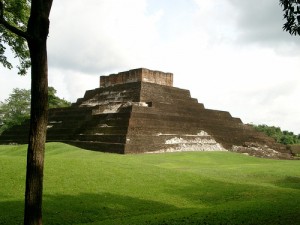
258, 150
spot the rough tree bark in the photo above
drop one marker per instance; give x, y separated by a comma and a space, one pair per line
37, 30
37, 33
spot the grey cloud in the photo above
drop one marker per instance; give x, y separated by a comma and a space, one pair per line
260, 22
102, 58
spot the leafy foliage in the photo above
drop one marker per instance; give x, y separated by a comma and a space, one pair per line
283, 137
54, 101
291, 15
16, 109
14, 13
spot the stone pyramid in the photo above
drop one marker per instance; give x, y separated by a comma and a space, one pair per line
140, 111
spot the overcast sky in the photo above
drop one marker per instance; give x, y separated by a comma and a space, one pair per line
231, 54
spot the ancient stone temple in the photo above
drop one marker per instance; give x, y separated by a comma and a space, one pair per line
140, 111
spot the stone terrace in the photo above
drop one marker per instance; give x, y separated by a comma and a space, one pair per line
140, 111
137, 75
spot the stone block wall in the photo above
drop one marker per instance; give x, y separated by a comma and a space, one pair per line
137, 75
133, 113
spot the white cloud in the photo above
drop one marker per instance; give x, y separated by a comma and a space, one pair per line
9, 79
72, 84
100, 35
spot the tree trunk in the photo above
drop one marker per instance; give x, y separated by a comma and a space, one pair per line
38, 28
37, 136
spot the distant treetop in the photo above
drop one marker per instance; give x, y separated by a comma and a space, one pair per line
283, 137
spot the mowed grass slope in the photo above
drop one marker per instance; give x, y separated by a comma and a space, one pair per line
85, 187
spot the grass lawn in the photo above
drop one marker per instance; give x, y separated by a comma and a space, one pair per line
85, 187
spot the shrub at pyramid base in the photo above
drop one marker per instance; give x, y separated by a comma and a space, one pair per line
140, 111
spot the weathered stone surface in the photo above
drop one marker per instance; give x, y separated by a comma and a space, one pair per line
295, 149
258, 150
128, 115
137, 75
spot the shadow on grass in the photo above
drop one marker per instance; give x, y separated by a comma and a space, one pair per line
90, 208
225, 203
235, 204
86, 208
289, 182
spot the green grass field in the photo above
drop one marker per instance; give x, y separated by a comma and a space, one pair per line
85, 187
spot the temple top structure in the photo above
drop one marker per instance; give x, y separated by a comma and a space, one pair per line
137, 75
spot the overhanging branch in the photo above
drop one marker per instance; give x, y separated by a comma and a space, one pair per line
14, 29
10, 27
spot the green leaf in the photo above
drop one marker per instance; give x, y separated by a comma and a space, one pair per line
15, 13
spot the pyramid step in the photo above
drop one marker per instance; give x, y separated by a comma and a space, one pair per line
98, 146
105, 130
101, 138
150, 91
129, 148
179, 107
169, 139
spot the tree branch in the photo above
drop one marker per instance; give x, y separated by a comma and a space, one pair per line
1, 9
10, 27
14, 29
